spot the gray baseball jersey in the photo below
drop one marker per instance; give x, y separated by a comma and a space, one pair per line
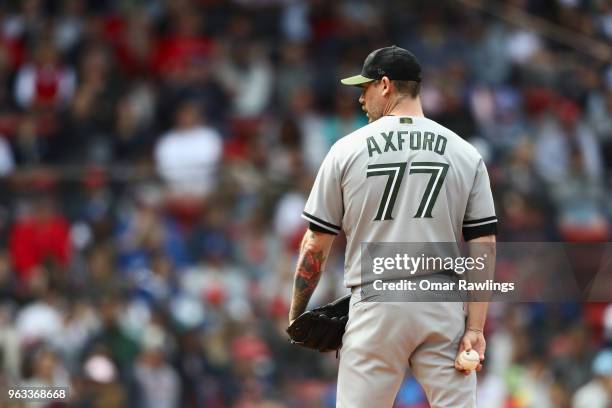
401, 179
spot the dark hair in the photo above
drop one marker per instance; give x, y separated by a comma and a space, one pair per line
411, 88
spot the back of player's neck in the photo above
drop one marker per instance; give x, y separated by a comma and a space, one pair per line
407, 107
414, 113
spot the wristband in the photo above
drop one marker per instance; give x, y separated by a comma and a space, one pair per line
475, 330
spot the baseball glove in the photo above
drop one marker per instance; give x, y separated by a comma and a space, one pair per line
321, 328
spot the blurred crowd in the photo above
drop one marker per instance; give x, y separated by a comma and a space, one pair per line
155, 157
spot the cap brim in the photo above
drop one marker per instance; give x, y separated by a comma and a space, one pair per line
356, 80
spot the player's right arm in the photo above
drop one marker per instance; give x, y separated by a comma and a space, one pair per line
473, 337
479, 230
483, 247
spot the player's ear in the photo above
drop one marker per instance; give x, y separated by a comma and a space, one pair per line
386, 85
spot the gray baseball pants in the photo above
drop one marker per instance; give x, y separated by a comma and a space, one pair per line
382, 339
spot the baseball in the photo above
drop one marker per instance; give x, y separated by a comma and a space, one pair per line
468, 359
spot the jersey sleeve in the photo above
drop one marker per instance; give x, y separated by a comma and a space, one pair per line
480, 219
324, 207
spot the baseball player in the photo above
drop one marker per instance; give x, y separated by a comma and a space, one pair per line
439, 191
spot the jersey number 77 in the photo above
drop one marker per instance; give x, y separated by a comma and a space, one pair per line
395, 174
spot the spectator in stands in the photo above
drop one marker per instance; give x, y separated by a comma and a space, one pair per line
84, 138
557, 141
188, 155
246, 73
45, 369
40, 321
40, 240
133, 133
100, 385
157, 381
600, 117
7, 161
597, 393
113, 337
45, 83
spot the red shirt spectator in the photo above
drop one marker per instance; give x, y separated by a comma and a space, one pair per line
37, 237
185, 45
46, 82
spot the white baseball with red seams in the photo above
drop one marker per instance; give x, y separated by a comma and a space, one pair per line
468, 359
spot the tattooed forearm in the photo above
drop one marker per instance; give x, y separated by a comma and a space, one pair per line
313, 254
307, 274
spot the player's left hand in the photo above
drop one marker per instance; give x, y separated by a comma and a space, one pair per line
472, 340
